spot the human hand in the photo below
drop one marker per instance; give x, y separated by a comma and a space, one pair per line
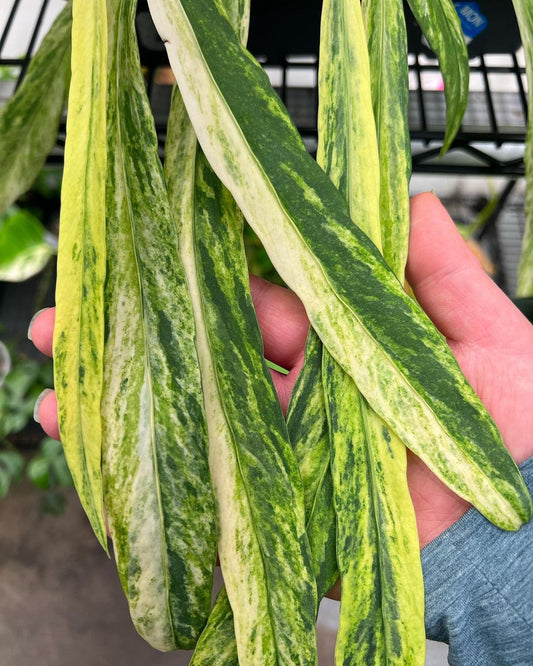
491, 339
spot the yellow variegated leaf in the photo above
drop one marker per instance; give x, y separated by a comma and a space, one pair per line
382, 606
157, 486
387, 48
79, 326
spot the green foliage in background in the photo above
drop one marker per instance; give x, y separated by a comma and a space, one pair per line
18, 393
259, 262
46, 469
25, 245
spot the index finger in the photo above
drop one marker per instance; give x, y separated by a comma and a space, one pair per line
41, 330
283, 322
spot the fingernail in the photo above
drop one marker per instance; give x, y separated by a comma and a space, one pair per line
39, 402
32, 321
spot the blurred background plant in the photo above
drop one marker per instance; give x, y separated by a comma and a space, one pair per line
28, 244
8, 73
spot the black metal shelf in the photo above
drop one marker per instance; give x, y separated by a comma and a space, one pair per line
491, 138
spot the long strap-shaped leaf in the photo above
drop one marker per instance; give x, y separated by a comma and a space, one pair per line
387, 48
79, 327
262, 545
306, 422
372, 328
347, 143
158, 495
308, 432
29, 120
382, 606
217, 645
524, 14
441, 25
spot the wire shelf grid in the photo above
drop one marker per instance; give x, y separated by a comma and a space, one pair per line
490, 141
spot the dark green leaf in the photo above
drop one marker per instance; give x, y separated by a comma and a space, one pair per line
53, 503
13, 463
5, 482
38, 471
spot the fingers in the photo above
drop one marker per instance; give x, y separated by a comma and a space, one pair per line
41, 330
449, 282
284, 326
45, 413
283, 323
282, 320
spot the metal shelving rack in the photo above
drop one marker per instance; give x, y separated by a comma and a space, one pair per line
21, 63
284, 36
494, 120
490, 141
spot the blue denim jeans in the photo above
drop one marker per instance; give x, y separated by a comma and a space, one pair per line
479, 590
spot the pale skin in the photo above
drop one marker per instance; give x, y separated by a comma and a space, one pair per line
491, 339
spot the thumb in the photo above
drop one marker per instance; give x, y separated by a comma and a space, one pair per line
449, 281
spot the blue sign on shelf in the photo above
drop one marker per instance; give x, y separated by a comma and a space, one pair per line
472, 20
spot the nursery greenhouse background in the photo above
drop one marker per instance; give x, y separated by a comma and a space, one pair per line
62, 601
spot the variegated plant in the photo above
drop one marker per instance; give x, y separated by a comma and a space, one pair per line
168, 414
30, 121
524, 14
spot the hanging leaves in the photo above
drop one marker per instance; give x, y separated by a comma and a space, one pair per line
29, 121
167, 409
